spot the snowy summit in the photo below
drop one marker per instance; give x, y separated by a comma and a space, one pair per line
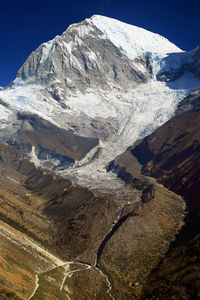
133, 40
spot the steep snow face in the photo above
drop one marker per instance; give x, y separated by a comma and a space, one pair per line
133, 40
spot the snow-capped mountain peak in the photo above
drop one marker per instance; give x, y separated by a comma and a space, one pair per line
101, 79
133, 40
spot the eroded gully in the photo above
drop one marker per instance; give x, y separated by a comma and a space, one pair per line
116, 224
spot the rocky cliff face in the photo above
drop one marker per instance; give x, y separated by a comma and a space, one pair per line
82, 58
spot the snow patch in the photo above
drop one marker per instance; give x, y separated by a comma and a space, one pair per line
48, 48
33, 157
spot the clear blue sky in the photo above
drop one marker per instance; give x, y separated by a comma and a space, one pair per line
24, 25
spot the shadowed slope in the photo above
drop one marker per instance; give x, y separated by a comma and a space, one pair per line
172, 155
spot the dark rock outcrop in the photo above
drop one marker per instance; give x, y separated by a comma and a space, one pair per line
170, 76
148, 193
189, 102
195, 66
184, 63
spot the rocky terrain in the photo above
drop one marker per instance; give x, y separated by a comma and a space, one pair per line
93, 216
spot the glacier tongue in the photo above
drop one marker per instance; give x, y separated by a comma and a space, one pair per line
139, 113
